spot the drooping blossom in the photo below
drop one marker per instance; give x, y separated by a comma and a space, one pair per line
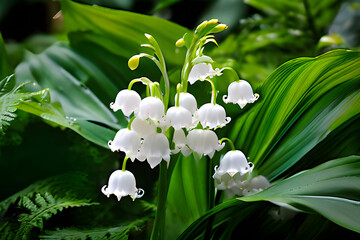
202, 71
257, 184
127, 141
154, 148
240, 92
143, 127
127, 101
212, 116
151, 107
203, 142
121, 184
231, 174
178, 117
188, 101
179, 139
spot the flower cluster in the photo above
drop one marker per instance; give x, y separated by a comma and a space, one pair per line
154, 126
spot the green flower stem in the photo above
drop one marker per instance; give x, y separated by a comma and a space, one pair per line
190, 55
214, 93
129, 124
159, 223
143, 80
229, 141
177, 102
164, 182
161, 65
124, 163
211, 196
234, 73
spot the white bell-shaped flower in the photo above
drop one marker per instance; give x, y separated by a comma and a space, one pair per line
232, 171
127, 141
201, 71
204, 142
121, 184
126, 100
212, 116
154, 148
188, 101
179, 139
240, 92
143, 127
257, 184
178, 117
151, 107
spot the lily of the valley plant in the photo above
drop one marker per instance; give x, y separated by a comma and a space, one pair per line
157, 131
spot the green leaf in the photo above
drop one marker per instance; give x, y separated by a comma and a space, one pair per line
122, 32
72, 76
10, 97
331, 189
301, 103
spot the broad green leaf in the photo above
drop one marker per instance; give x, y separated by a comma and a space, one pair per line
331, 189
122, 32
73, 76
300, 104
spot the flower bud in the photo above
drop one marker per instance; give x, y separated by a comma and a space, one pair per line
180, 42
133, 62
219, 28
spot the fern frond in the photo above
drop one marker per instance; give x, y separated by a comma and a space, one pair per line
115, 233
41, 208
67, 184
10, 97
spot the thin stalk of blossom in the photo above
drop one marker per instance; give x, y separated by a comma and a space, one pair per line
232, 71
130, 122
147, 90
124, 163
161, 65
213, 89
177, 102
190, 55
143, 80
229, 141
155, 91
